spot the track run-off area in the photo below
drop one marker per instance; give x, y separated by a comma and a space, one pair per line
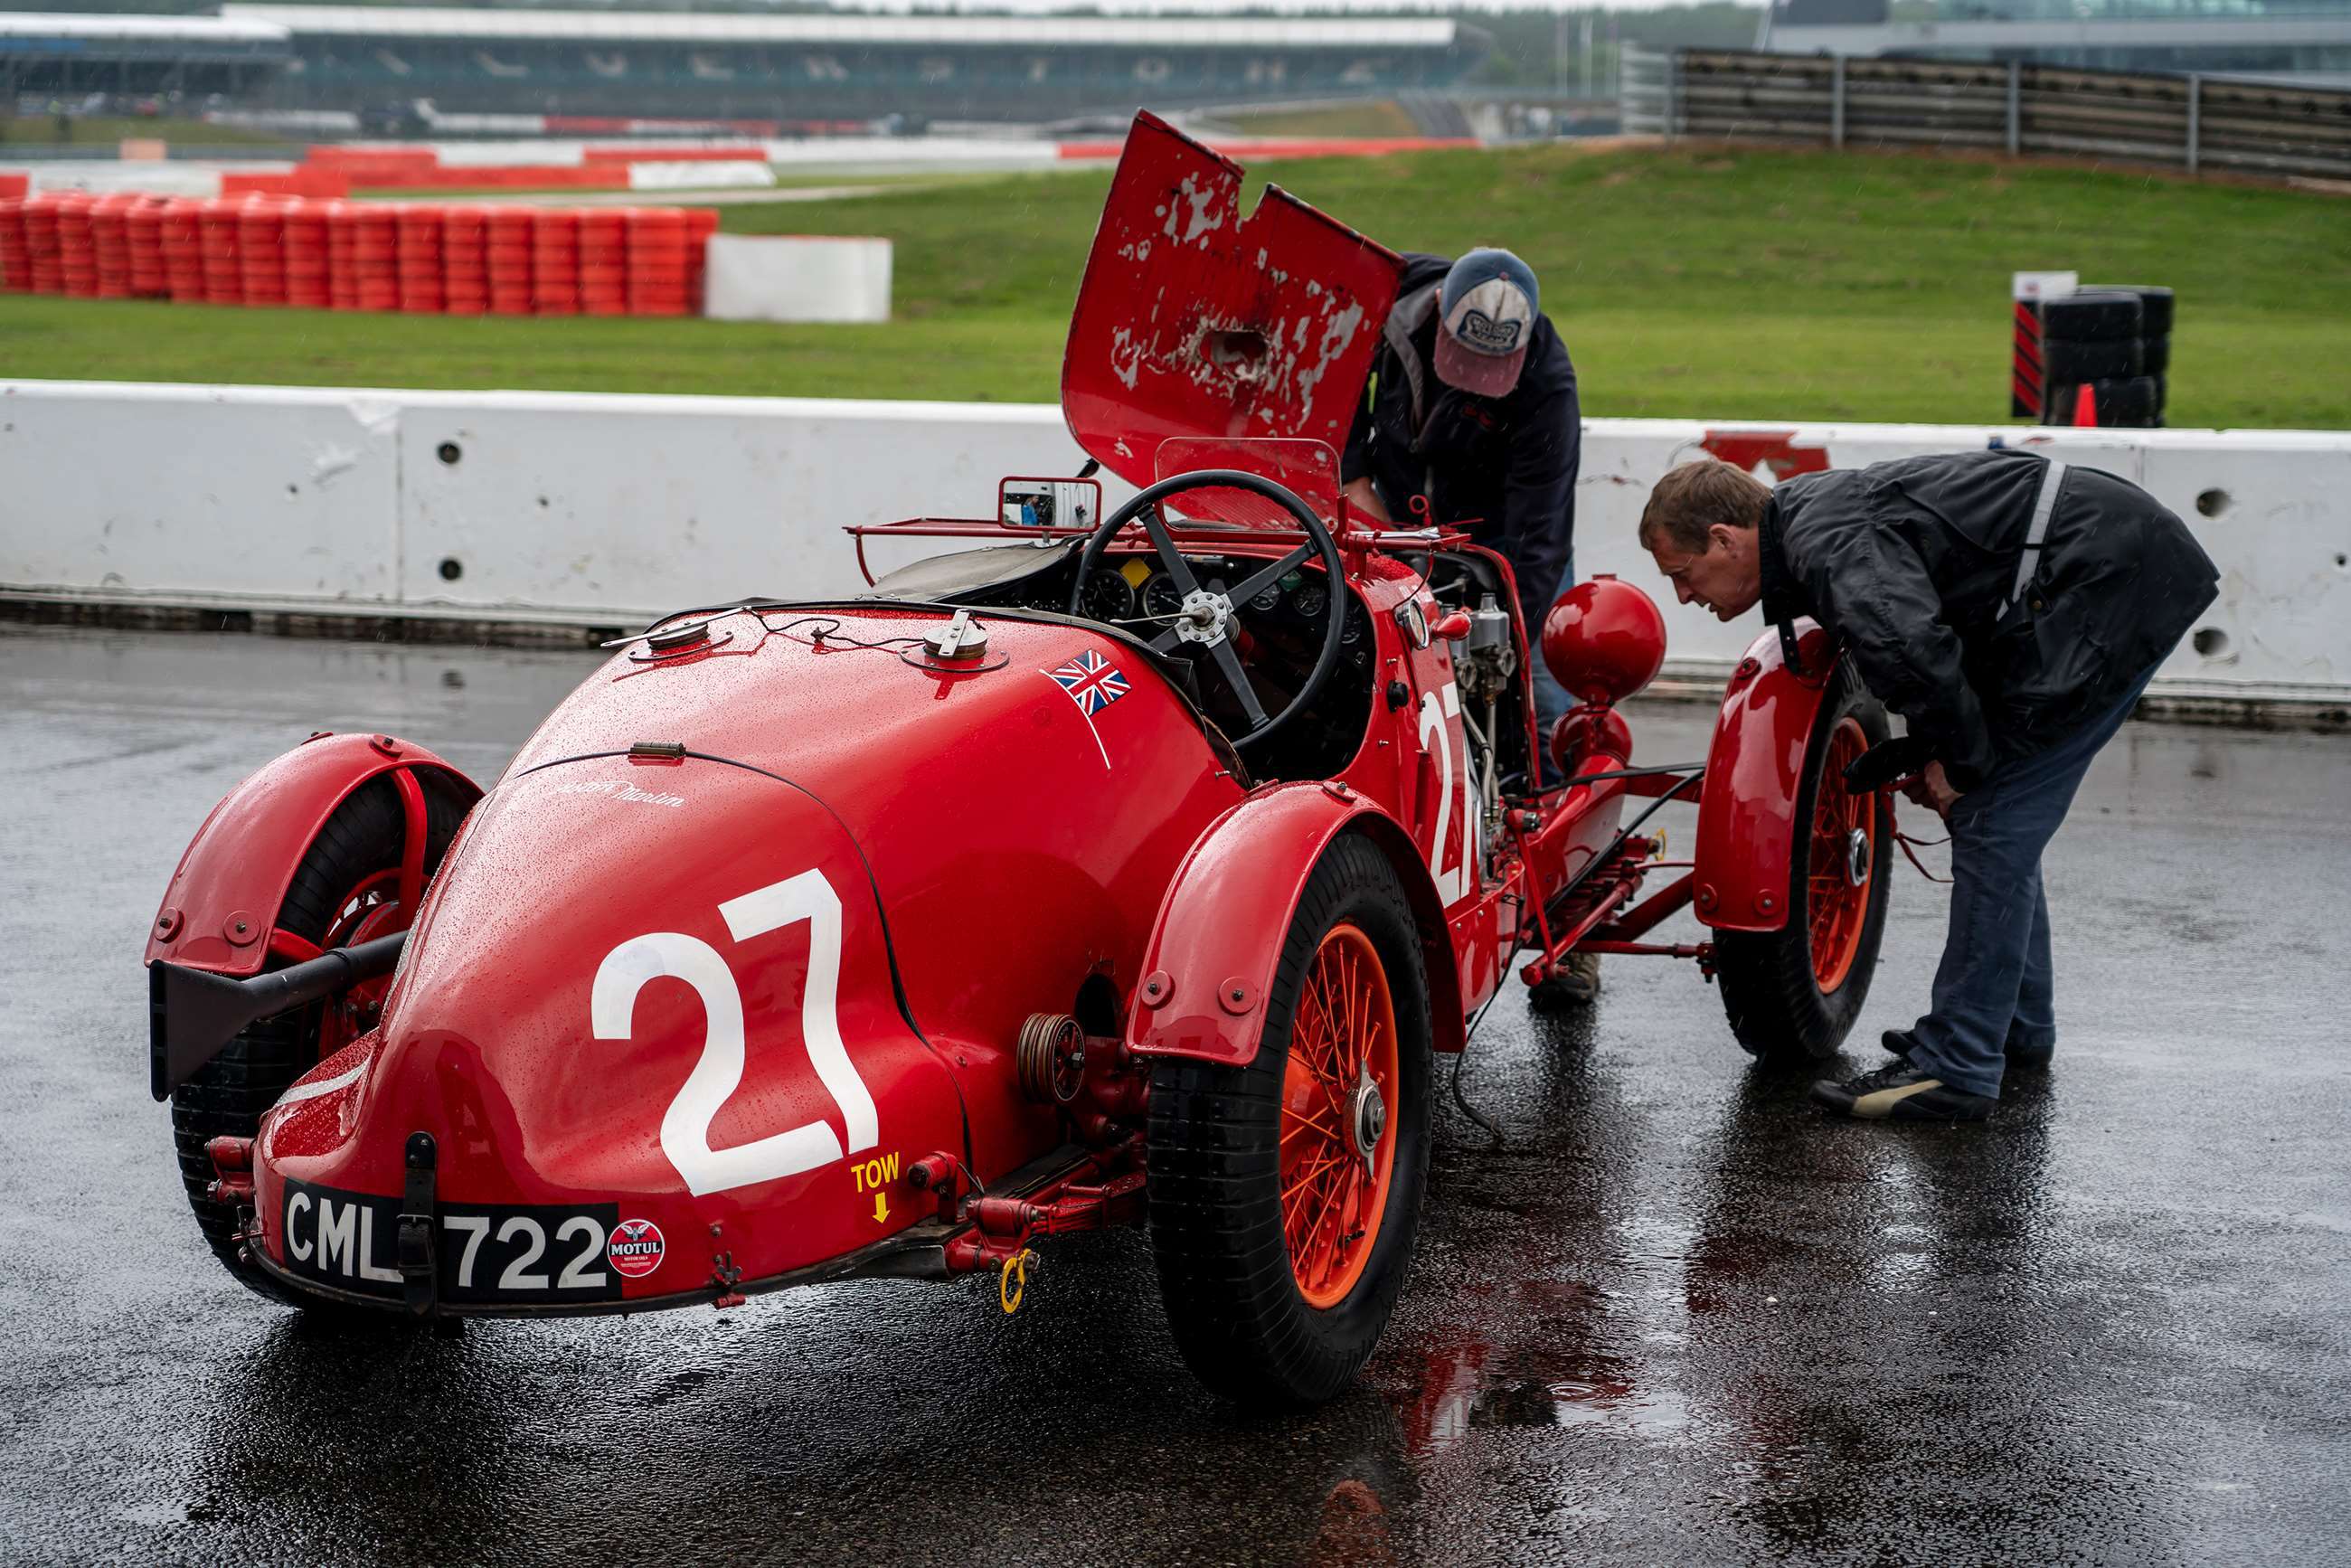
1678, 1315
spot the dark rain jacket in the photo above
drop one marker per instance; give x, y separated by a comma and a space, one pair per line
1908, 562
1505, 467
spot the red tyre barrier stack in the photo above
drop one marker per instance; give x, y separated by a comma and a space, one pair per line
142, 227
701, 223
342, 221
604, 261
511, 243
16, 253
261, 250
659, 274
109, 244
223, 275
422, 290
41, 246
555, 262
183, 249
305, 255
464, 261
375, 258
76, 247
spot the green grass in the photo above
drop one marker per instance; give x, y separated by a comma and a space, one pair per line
1691, 283
25, 135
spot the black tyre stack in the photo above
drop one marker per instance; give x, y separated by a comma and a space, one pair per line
2116, 340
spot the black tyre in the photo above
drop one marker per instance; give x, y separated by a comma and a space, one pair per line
1792, 994
227, 1095
2066, 359
1279, 1257
2092, 316
2153, 306
2155, 355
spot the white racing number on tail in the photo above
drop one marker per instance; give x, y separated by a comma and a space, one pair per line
719, 1072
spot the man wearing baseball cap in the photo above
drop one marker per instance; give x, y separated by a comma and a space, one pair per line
1471, 406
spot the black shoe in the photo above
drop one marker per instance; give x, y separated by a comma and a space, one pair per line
1901, 1042
1903, 1093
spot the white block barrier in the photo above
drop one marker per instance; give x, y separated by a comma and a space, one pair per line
702, 174
601, 510
794, 277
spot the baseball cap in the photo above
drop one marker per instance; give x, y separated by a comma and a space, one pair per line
1486, 313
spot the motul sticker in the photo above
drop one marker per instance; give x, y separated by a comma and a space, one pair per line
636, 1247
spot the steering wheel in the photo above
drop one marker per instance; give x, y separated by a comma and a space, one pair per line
1208, 618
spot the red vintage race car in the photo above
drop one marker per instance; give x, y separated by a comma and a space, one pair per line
1110, 867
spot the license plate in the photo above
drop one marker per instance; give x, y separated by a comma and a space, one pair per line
511, 1254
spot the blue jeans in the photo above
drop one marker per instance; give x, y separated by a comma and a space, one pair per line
1995, 988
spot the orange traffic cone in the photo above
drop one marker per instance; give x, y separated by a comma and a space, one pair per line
2085, 405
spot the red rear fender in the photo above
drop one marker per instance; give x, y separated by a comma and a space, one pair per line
1222, 923
223, 899
1746, 817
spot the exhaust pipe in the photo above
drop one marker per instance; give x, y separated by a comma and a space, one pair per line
192, 1013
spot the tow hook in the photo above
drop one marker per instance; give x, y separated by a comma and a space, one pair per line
419, 1273
232, 1161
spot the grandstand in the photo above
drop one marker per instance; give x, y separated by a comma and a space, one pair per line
70, 57
829, 67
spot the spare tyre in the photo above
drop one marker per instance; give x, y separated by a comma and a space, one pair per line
2092, 316
2072, 359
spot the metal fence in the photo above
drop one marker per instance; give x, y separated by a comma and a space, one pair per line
2189, 123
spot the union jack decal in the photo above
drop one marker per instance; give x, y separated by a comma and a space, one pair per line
1092, 682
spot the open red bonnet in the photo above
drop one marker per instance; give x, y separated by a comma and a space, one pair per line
1197, 325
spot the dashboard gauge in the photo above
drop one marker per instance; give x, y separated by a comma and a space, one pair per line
1266, 602
1310, 600
1353, 630
1162, 597
1107, 596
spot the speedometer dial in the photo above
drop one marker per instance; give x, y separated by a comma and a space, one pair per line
1311, 600
1162, 597
1107, 596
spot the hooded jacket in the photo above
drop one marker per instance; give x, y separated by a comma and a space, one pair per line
1505, 467
1910, 563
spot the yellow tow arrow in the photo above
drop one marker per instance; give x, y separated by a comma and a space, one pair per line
881, 1208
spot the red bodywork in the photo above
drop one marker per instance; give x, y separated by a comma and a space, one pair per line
1745, 828
739, 975
220, 912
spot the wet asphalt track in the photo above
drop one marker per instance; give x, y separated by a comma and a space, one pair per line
1681, 1318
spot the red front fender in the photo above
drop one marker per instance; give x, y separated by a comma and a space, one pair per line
1222, 923
222, 902
1746, 817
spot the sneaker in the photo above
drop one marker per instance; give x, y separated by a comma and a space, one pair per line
1902, 1042
1903, 1093
1573, 984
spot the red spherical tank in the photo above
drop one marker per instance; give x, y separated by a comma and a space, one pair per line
1605, 640
1591, 739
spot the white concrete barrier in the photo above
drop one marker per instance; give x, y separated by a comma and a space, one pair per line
601, 510
796, 277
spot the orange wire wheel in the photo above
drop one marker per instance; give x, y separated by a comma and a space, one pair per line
1793, 992
1338, 1113
1842, 859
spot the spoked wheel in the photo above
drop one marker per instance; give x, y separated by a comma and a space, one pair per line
345, 889
1285, 1194
1795, 993
1338, 1097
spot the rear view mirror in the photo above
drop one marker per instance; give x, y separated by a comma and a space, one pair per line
1023, 502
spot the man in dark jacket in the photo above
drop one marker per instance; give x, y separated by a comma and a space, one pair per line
1472, 410
1472, 407
2012, 609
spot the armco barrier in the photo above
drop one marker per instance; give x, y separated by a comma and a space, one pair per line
583, 510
